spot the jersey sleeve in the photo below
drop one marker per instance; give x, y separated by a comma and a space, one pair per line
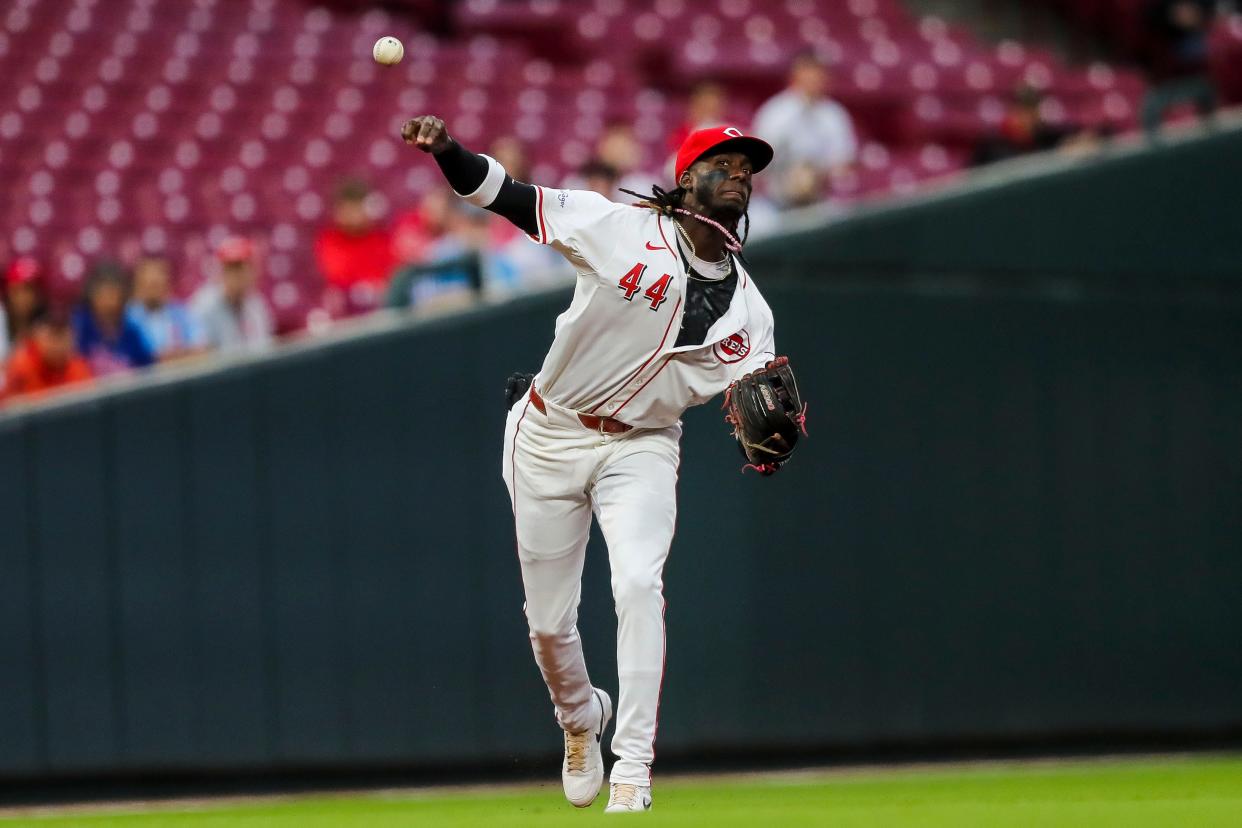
577, 223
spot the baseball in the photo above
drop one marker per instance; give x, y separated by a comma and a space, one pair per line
388, 51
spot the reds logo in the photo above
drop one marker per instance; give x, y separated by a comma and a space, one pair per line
733, 132
733, 348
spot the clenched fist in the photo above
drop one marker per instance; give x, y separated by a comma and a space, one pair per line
426, 132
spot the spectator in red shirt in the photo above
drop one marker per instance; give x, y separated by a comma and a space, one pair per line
355, 255
45, 359
417, 231
23, 299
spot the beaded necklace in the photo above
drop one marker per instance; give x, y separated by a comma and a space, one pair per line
731, 242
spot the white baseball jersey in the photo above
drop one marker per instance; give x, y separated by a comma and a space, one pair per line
614, 352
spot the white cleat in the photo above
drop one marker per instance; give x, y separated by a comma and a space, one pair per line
582, 773
628, 799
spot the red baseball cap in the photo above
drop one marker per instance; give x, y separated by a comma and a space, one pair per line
235, 249
23, 270
722, 139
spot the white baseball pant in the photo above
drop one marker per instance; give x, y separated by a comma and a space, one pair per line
558, 472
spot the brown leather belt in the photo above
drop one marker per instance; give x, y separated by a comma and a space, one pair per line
604, 425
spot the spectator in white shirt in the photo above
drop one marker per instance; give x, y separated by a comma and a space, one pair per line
230, 312
806, 128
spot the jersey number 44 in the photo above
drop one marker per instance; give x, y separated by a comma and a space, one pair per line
631, 283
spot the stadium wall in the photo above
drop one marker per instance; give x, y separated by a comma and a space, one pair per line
1015, 520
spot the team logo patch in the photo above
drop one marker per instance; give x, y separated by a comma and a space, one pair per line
733, 348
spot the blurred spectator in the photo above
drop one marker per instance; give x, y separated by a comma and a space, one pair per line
805, 126
355, 255
1022, 130
803, 186
511, 154
415, 231
619, 148
111, 342
600, 177
452, 269
164, 321
45, 357
23, 299
1180, 30
705, 108
512, 263
229, 311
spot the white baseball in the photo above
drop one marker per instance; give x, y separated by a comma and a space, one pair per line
388, 51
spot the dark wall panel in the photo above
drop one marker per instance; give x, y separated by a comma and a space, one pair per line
378, 455
74, 510
21, 658
156, 570
232, 602
301, 490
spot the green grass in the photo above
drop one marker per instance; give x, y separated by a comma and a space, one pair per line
1132, 793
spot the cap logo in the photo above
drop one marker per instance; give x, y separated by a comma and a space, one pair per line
733, 132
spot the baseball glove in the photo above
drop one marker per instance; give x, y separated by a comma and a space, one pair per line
767, 414
516, 387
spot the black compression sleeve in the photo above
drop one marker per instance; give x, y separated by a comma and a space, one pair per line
463, 170
466, 171
516, 202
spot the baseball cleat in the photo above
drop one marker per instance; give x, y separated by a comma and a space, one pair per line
582, 772
625, 798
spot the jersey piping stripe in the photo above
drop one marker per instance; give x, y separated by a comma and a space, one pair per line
660, 227
513, 467
667, 360
669, 247
654, 354
542, 238
655, 731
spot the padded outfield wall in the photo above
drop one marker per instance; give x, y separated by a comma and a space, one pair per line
1016, 520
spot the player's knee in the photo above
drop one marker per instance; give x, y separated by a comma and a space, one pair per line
636, 588
549, 627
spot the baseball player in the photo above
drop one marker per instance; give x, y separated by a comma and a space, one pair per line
664, 316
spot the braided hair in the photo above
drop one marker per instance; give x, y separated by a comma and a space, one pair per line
668, 202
